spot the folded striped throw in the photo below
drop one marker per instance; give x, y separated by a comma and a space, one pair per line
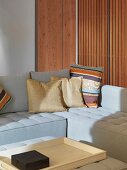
4, 98
91, 82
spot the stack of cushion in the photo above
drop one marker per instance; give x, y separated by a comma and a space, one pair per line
59, 93
79, 89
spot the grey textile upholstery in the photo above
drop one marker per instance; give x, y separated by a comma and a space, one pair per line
45, 76
16, 87
25, 143
21, 126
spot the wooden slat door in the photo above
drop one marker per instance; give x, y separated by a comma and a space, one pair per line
93, 34
55, 34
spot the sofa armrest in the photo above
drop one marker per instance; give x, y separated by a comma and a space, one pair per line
114, 98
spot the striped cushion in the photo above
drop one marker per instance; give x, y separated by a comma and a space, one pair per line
4, 98
91, 83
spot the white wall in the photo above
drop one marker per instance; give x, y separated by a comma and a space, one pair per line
17, 36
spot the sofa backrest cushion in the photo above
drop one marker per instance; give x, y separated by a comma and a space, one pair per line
45, 76
114, 98
16, 87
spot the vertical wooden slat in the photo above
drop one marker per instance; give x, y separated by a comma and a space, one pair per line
117, 44
111, 42
120, 43
106, 42
86, 55
114, 41
100, 33
80, 31
69, 32
96, 36
90, 31
94, 33
124, 43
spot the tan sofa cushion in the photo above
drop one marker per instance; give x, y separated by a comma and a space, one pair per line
45, 97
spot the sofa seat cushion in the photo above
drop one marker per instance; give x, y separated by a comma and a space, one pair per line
19, 126
105, 128
25, 143
84, 119
81, 120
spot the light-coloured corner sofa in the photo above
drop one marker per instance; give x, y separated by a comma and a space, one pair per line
105, 127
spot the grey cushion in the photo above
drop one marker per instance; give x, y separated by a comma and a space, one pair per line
16, 87
21, 126
45, 76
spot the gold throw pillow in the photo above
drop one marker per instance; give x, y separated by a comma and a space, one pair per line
71, 89
44, 97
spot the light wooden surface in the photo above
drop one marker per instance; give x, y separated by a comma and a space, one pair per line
64, 154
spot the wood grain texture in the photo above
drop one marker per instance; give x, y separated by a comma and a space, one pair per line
118, 42
81, 30
64, 154
56, 34
93, 38
49, 35
69, 32
93, 34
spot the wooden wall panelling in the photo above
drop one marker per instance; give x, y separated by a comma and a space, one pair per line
118, 46
81, 31
120, 43
86, 33
69, 32
93, 34
55, 34
124, 35
49, 35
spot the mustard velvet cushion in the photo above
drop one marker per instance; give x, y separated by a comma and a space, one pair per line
71, 89
44, 97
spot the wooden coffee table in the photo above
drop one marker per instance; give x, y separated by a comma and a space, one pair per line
64, 154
